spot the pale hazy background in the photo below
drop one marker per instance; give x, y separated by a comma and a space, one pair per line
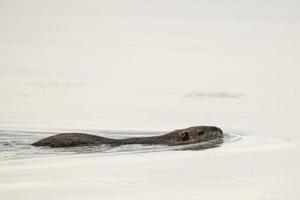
150, 64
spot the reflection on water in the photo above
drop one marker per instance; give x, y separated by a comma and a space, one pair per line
16, 144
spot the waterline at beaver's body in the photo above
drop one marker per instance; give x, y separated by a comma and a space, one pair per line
190, 135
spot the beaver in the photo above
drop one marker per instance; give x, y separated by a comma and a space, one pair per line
185, 136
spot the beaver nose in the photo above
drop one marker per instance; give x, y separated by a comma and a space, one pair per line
216, 129
219, 134
220, 130
216, 134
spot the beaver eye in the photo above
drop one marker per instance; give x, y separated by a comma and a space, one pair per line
184, 135
200, 132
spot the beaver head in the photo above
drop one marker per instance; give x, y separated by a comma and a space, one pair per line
194, 134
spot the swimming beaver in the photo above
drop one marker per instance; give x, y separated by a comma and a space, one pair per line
190, 135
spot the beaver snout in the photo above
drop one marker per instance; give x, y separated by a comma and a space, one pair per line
213, 133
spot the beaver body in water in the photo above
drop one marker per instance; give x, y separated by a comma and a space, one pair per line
189, 135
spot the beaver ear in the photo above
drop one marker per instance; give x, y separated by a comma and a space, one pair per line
184, 135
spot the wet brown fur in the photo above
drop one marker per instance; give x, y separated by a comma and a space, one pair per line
189, 135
